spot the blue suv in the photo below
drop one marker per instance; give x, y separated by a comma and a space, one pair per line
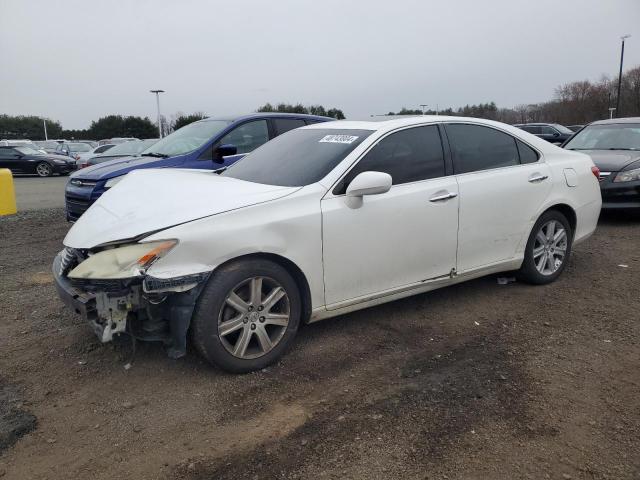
208, 144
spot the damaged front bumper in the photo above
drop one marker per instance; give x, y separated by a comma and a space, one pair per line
147, 308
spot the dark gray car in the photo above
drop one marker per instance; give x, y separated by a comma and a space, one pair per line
614, 146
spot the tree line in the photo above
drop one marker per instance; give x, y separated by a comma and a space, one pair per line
299, 108
573, 103
31, 127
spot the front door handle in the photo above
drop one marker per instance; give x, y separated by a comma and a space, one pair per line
536, 177
442, 196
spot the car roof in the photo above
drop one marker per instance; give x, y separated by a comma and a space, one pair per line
394, 122
251, 116
611, 121
534, 124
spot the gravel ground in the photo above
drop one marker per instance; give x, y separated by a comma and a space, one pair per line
478, 380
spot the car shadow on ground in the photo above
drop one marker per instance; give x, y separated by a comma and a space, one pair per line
619, 217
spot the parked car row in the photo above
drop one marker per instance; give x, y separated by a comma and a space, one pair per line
614, 146
325, 219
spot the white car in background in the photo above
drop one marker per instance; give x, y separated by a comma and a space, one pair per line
321, 221
82, 158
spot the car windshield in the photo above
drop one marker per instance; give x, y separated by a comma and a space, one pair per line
129, 148
620, 136
187, 138
28, 151
79, 147
562, 129
299, 157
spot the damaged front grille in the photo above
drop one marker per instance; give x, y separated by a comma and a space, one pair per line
103, 285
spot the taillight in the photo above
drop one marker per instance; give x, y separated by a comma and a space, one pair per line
596, 172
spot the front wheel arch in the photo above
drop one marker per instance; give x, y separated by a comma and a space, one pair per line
293, 270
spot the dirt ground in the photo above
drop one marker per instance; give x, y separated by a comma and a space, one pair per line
475, 381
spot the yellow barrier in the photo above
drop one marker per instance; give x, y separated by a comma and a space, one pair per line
7, 193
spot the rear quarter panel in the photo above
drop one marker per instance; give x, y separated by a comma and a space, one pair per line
574, 184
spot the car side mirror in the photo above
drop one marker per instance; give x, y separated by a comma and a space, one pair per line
367, 183
224, 151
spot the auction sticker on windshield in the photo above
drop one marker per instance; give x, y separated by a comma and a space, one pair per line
338, 139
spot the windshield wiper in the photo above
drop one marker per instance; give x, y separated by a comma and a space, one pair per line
155, 154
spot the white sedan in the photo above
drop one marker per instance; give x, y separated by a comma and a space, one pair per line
321, 221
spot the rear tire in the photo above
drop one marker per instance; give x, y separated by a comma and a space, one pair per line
548, 249
43, 169
247, 315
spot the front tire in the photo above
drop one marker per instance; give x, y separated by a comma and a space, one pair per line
548, 249
43, 169
247, 315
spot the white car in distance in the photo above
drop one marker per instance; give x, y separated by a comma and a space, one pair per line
321, 221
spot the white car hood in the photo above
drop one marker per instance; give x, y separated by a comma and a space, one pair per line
150, 200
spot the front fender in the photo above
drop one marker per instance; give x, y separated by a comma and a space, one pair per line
289, 227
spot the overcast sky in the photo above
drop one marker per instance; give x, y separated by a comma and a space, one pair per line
77, 60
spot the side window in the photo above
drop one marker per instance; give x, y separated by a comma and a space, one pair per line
408, 156
527, 154
476, 147
548, 130
285, 124
6, 152
534, 129
101, 149
248, 136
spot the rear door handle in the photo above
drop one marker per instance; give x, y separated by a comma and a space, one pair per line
442, 196
536, 177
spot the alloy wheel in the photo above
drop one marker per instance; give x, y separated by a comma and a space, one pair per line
550, 247
43, 170
254, 317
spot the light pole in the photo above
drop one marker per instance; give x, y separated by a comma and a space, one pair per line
623, 38
423, 107
158, 92
611, 110
44, 122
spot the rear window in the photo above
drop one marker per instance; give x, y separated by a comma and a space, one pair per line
477, 147
527, 154
283, 125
